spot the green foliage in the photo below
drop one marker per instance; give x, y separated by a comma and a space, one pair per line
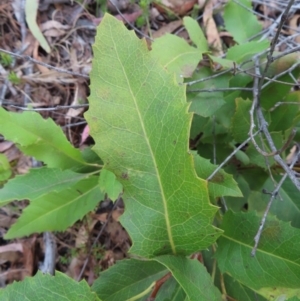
143, 120
46, 287
5, 59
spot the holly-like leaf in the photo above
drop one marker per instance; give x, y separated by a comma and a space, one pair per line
278, 250
109, 184
138, 117
48, 288
128, 279
240, 21
222, 184
56, 211
38, 182
40, 138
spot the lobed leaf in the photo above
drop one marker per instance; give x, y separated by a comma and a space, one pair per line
138, 117
50, 288
40, 138
56, 211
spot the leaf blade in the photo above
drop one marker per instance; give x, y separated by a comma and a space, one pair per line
147, 172
58, 210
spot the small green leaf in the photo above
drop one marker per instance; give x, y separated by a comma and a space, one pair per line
244, 52
40, 138
276, 264
49, 288
127, 279
56, 211
240, 124
222, 184
240, 21
31, 9
176, 55
109, 184
5, 170
195, 280
38, 182
196, 34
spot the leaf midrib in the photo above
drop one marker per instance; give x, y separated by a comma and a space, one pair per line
152, 156
259, 250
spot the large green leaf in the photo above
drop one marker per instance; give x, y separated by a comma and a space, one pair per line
139, 119
192, 276
40, 138
240, 21
56, 211
48, 288
38, 182
128, 279
276, 265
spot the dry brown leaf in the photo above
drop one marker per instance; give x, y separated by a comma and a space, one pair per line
54, 28
10, 253
294, 28
79, 97
5, 145
168, 28
211, 29
36, 56
180, 7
